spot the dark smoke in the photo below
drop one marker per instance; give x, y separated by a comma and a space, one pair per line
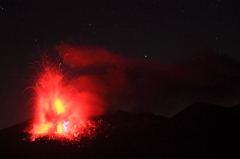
148, 85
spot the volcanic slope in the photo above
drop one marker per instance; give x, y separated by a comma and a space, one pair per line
200, 131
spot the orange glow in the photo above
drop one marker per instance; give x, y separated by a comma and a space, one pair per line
59, 106
61, 111
43, 128
59, 128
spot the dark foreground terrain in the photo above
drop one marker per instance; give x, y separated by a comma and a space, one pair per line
200, 131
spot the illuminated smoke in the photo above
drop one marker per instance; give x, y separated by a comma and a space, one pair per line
143, 84
98, 71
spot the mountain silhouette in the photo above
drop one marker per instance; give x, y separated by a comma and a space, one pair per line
200, 131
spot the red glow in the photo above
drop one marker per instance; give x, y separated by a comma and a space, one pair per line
61, 111
63, 104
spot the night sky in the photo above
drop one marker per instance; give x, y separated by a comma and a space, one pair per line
197, 41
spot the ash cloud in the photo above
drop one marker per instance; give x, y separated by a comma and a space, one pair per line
141, 85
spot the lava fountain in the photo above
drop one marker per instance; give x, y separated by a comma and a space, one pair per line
61, 111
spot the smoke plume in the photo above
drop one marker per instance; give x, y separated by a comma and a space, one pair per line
112, 82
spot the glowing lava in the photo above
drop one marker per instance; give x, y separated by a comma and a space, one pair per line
61, 111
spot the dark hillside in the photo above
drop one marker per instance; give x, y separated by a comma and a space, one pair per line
200, 131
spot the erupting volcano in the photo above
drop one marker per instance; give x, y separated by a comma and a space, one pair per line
65, 102
61, 111
98, 98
